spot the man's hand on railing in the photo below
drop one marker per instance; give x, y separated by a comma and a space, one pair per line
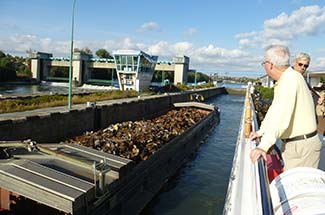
253, 136
257, 153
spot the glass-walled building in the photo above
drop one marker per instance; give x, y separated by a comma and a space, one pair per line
134, 69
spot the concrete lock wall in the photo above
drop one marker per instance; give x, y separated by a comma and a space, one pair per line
56, 127
49, 128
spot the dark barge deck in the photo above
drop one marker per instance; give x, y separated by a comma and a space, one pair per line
75, 179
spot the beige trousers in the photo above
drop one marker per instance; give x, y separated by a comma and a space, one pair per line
302, 153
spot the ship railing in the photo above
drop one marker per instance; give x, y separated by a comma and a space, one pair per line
248, 188
263, 177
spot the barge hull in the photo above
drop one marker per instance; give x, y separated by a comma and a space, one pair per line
61, 175
136, 190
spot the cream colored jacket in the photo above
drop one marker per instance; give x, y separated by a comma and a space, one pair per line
292, 110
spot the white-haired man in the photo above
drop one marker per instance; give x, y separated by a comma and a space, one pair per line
291, 116
301, 63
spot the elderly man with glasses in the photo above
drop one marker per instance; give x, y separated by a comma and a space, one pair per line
301, 62
291, 116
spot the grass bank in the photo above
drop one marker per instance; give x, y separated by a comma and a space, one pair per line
17, 105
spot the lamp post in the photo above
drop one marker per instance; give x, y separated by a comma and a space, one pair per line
195, 81
71, 50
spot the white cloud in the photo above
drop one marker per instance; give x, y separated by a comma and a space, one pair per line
318, 64
165, 49
246, 34
19, 44
149, 26
206, 57
306, 21
244, 43
216, 58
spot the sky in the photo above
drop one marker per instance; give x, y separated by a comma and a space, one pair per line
224, 37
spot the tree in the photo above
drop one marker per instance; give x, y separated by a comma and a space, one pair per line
103, 53
85, 50
13, 67
2, 54
7, 69
30, 52
199, 77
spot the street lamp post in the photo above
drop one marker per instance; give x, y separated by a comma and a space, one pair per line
71, 50
195, 80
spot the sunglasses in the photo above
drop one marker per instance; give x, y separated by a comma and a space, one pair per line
301, 64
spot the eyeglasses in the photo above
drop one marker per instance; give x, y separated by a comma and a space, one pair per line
305, 65
264, 62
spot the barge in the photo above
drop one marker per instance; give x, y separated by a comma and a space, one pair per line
65, 178
262, 187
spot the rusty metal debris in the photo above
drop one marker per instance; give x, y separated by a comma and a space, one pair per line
140, 139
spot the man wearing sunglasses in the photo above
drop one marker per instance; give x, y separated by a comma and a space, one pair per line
301, 62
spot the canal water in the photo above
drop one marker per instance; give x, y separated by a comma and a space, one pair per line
46, 89
62, 88
201, 185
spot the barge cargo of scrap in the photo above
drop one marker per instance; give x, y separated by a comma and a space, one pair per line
102, 172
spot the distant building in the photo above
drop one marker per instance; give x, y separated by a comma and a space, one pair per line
133, 69
312, 77
266, 81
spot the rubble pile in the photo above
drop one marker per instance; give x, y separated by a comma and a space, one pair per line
140, 139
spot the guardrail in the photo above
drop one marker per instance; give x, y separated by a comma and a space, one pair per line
248, 188
251, 124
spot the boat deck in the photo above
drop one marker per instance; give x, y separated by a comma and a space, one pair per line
248, 188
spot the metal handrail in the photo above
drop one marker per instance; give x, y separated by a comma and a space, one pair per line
264, 181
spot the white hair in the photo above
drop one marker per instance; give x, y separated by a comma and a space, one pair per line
302, 56
279, 55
